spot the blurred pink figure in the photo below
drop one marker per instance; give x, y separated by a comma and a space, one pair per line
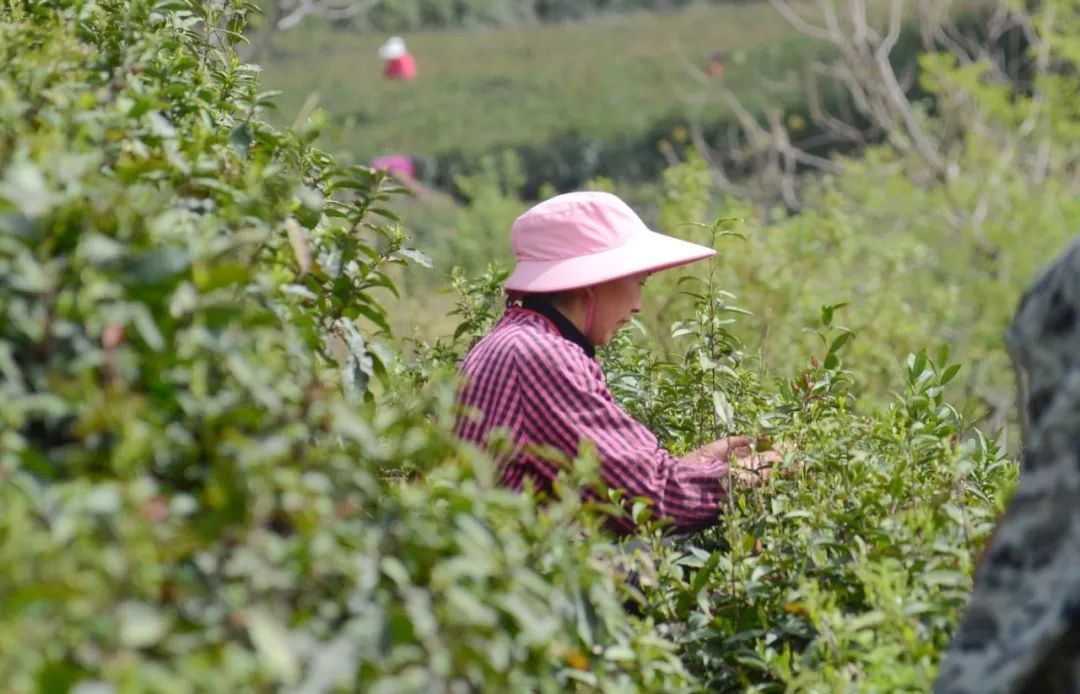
401, 167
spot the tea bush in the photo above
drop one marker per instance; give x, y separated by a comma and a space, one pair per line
847, 571
219, 473
848, 574
202, 488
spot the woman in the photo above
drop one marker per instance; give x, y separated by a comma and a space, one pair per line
582, 259
398, 63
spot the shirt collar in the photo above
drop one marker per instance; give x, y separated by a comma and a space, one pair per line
566, 328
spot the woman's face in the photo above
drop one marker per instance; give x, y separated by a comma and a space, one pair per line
616, 301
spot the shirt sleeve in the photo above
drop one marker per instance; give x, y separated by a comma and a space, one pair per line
571, 404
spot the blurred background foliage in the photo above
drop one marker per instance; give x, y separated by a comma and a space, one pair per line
226, 369
572, 100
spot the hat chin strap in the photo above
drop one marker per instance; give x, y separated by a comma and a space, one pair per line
590, 314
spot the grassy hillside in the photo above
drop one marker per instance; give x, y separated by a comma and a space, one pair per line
479, 89
574, 100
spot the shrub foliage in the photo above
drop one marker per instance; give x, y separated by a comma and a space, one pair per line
218, 472
200, 492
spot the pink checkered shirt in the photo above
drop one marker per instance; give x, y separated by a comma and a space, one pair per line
524, 377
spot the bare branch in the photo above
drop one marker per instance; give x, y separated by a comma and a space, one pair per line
876, 100
297, 15
715, 163
895, 24
857, 9
298, 10
793, 18
836, 33
839, 126
895, 93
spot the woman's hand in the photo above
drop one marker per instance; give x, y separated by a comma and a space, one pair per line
722, 449
753, 468
748, 466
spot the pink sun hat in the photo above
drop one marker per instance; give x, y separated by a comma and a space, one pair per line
580, 239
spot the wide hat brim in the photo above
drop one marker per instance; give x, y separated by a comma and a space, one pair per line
645, 252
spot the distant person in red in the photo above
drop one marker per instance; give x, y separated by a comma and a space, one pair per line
398, 63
